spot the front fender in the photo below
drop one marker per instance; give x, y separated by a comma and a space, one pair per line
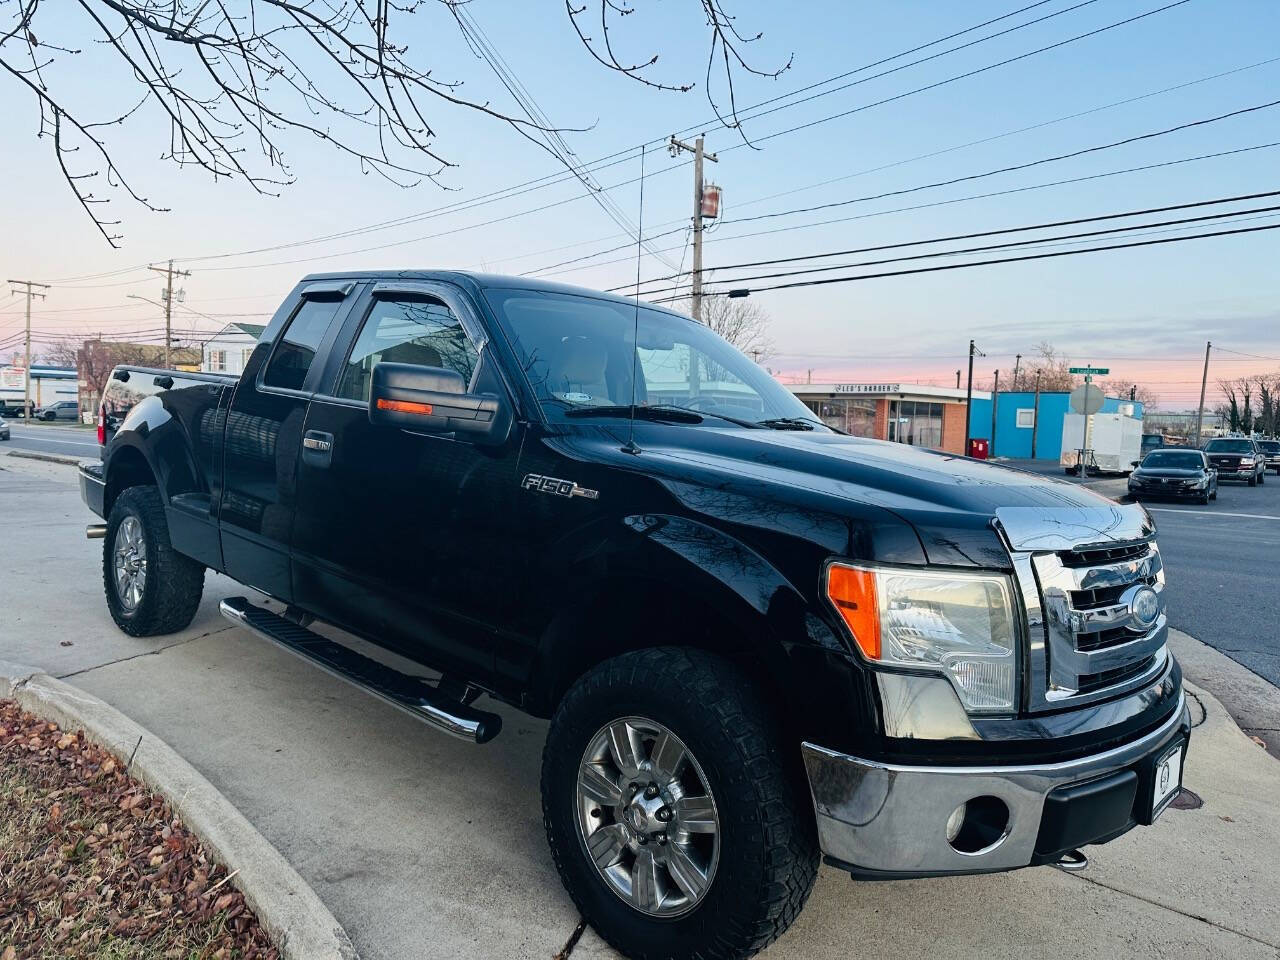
665, 580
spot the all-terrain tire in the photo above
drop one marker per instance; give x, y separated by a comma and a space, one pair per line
173, 583
768, 845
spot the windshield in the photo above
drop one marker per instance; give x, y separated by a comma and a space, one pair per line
1229, 446
1182, 460
578, 352
1271, 446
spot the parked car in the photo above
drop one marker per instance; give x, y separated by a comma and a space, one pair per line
4, 430
1175, 473
60, 410
1271, 450
761, 643
1237, 458
1152, 441
15, 410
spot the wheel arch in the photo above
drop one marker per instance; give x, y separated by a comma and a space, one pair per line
128, 467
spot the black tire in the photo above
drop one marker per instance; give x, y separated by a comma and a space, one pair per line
1253, 479
1262, 477
768, 843
1204, 498
174, 583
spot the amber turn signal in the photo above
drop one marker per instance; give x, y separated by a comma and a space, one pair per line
404, 406
853, 592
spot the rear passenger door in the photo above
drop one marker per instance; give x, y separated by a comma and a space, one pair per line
264, 434
405, 537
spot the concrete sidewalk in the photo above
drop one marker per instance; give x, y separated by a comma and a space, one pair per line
427, 847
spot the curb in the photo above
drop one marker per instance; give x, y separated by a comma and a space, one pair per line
288, 909
50, 457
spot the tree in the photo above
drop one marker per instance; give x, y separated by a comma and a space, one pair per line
1268, 419
1051, 367
739, 321
232, 82
1149, 399
1239, 405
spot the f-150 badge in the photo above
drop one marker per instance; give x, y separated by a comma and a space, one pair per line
554, 485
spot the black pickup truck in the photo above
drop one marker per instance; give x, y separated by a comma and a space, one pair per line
760, 642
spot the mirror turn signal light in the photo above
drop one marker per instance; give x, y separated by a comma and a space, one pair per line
404, 406
853, 592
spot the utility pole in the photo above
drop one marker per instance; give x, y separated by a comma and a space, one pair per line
675, 147
1204, 381
968, 403
1035, 417
995, 406
30, 292
169, 273
1017, 361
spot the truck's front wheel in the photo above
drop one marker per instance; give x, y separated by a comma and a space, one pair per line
151, 588
671, 816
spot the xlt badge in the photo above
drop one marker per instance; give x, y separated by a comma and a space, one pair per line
561, 488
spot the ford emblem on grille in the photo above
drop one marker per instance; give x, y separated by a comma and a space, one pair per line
1144, 607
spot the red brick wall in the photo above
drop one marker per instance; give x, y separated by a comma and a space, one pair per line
882, 419
953, 420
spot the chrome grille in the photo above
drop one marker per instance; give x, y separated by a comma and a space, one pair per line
1084, 644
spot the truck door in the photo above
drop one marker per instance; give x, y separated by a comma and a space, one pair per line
264, 435
403, 536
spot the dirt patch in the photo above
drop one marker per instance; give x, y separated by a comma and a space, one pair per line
93, 866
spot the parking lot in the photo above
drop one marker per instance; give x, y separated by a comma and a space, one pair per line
424, 846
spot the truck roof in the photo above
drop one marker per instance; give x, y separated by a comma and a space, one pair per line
480, 281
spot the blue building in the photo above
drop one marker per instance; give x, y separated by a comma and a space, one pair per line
1017, 420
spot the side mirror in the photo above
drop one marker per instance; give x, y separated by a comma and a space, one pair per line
434, 400
1134, 463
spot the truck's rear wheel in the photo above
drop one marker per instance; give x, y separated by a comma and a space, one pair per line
670, 813
151, 588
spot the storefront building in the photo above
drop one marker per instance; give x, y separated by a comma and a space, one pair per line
916, 414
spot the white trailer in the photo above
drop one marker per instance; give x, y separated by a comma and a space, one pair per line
1114, 442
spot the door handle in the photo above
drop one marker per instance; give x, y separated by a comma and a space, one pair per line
317, 448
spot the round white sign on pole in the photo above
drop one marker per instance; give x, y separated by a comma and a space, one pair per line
1086, 399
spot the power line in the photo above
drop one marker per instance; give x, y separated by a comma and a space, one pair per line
1014, 167
987, 248
985, 263
973, 236
622, 156
984, 196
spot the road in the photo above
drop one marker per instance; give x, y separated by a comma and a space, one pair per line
1220, 563
70, 441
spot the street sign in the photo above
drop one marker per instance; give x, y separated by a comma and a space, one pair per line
1090, 370
1086, 399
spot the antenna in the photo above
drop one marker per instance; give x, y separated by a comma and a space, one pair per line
630, 445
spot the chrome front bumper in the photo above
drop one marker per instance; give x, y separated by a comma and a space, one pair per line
888, 820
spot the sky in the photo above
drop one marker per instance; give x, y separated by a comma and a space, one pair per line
1145, 313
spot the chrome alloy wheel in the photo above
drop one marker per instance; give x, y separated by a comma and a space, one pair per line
130, 562
647, 818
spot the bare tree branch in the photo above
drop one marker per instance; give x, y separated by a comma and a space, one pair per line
233, 80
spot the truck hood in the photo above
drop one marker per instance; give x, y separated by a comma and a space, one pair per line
950, 501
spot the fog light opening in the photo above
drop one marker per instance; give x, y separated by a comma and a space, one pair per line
978, 826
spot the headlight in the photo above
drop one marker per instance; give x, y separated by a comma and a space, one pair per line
957, 624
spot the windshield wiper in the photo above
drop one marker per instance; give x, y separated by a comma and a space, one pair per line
662, 412
788, 423
640, 411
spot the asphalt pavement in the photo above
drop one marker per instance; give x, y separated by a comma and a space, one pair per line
66, 439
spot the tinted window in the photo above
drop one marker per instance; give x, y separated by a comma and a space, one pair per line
1229, 446
297, 347
1180, 460
423, 332
1271, 446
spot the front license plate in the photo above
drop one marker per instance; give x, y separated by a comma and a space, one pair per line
1168, 780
